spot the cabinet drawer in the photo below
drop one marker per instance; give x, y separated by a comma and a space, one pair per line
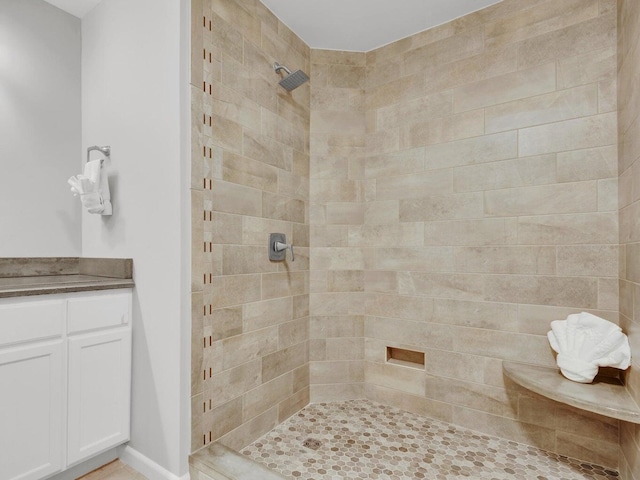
23, 322
95, 312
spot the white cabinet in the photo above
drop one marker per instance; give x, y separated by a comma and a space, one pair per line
31, 393
99, 384
65, 380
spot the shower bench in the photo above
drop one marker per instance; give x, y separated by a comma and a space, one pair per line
605, 396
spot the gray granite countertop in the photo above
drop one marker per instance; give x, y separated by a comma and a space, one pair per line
42, 276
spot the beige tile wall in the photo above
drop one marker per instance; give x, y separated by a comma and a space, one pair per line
464, 194
337, 216
629, 168
250, 165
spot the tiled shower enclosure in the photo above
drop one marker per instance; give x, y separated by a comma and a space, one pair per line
448, 195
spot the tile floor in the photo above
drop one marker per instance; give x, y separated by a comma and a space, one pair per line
363, 440
115, 470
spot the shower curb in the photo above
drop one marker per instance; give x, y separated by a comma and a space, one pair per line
217, 462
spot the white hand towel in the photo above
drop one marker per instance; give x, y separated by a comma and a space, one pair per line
86, 185
93, 187
585, 342
92, 171
76, 187
92, 202
105, 193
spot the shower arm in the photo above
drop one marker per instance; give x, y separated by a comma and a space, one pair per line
277, 67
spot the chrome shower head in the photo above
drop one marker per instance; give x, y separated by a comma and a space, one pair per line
292, 80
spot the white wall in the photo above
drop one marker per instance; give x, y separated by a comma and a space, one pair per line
132, 99
39, 129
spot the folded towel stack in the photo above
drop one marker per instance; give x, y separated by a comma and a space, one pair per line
93, 188
585, 342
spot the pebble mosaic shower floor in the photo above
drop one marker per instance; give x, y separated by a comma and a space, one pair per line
364, 440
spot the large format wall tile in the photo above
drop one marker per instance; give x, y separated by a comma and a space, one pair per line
577, 197
505, 88
595, 66
552, 107
519, 172
486, 148
540, 19
595, 131
582, 37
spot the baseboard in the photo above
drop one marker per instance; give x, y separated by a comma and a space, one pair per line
146, 466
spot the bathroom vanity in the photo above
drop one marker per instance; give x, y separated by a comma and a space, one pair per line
65, 365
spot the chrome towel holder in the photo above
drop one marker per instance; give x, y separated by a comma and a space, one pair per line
106, 151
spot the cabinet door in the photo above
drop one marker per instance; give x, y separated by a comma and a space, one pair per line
31, 392
99, 392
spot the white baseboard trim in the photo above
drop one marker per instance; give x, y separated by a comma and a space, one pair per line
146, 466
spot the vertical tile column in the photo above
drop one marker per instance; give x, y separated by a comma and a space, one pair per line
337, 215
250, 168
629, 204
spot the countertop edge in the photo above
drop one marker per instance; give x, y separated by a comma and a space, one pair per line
108, 284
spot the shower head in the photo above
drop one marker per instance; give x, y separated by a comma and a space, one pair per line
292, 80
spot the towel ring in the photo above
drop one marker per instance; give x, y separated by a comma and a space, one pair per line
106, 151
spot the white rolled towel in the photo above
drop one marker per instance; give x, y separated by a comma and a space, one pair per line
93, 202
585, 342
88, 181
93, 188
92, 171
76, 185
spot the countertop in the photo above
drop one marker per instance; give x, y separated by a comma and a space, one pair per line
42, 276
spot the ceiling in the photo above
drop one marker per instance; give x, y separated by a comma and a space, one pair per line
75, 7
354, 25
362, 25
